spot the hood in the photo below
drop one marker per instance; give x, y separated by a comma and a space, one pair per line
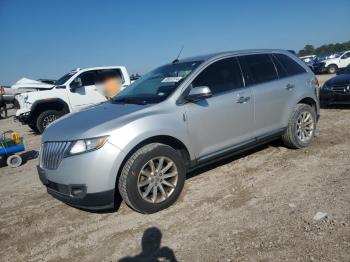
95, 121
29, 83
339, 80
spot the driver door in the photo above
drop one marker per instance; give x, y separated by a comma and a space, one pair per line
225, 119
87, 93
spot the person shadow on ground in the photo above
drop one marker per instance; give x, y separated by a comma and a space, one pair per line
151, 248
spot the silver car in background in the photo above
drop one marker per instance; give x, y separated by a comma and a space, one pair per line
179, 116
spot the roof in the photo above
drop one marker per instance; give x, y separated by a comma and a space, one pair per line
238, 52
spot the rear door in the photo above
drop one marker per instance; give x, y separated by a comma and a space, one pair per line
88, 94
272, 93
225, 119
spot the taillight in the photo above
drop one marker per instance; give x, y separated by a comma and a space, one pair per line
2, 90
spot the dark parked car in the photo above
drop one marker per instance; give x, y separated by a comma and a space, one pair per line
337, 89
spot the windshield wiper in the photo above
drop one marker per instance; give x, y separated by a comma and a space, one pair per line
129, 100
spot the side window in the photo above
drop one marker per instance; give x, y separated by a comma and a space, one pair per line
281, 70
345, 56
110, 73
221, 76
292, 67
260, 68
88, 78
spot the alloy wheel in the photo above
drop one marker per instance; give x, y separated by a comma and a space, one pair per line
157, 179
305, 126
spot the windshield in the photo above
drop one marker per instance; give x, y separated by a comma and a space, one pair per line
64, 78
336, 55
157, 85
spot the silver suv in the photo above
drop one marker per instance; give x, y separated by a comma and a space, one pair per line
177, 117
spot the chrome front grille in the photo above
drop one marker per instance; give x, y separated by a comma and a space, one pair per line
52, 154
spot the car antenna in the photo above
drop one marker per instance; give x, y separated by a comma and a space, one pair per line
177, 58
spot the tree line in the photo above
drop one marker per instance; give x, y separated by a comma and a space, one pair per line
324, 49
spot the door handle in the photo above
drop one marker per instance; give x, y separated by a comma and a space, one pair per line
290, 86
243, 99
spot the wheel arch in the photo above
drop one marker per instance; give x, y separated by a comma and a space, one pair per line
49, 104
162, 139
311, 102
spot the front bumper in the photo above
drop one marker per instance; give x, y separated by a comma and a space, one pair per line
76, 196
23, 118
319, 68
326, 96
85, 181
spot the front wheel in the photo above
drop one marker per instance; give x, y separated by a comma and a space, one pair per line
301, 127
152, 178
45, 118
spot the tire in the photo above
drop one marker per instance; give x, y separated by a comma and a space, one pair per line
14, 161
332, 69
291, 137
45, 118
131, 178
33, 127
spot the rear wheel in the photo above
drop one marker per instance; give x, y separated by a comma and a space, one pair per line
152, 178
301, 127
45, 118
332, 69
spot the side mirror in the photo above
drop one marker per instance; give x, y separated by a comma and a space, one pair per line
198, 93
76, 83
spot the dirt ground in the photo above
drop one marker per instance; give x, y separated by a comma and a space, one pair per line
255, 207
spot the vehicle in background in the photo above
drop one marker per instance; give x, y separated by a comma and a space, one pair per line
308, 58
178, 117
336, 91
134, 77
332, 63
73, 92
8, 96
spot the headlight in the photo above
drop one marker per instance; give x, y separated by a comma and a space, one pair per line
325, 86
87, 145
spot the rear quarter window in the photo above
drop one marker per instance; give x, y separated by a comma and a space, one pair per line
286, 66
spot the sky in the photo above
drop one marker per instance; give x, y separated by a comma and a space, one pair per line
46, 39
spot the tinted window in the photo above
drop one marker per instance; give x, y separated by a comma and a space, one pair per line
220, 76
88, 78
260, 67
292, 67
347, 55
281, 70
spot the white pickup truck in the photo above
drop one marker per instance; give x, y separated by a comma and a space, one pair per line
333, 63
73, 92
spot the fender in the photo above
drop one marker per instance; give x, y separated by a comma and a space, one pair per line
37, 103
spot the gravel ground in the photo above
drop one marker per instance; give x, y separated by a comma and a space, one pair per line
255, 207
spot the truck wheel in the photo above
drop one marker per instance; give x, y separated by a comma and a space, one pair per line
332, 69
14, 161
45, 118
152, 178
301, 127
